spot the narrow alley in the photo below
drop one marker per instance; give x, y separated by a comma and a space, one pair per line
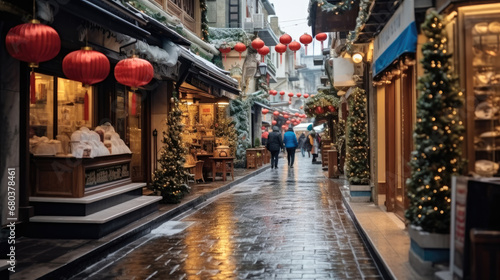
286, 223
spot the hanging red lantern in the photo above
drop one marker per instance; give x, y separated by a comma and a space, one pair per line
299, 94
319, 110
32, 42
280, 48
290, 94
297, 114
288, 122
257, 44
306, 95
321, 37
276, 113
225, 49
273, 92
134, 72
265, 111
294, 46
301, 107
282, 93
86, 66
306, 39
240, 47
286, 116
285, 39
263, 128
274, 122
263, 52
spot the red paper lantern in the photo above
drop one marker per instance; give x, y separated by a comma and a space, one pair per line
274, 122
288, 122
282, 93
263, 128
297, 114
301, 107
280, 48
273, 92
290, 94
306, 39
299, 94
257, 44
86, 66
240, 47
319, 110
225, 50
265, 111
306, 95
276, 113
321, 37
134, 72
285, 39
286, 116
32, 42
263, 52
294, 46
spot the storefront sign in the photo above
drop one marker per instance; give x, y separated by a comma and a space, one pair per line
399, 36
102, 175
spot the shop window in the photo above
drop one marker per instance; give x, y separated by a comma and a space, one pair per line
74, 109
134, 135
42, 107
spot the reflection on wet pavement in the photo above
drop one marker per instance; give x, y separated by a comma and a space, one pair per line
280, 224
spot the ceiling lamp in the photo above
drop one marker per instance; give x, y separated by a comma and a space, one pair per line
357, 57
86, 66
306, 39
321, 37
240, 47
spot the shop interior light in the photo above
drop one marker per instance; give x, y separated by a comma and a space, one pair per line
357, 57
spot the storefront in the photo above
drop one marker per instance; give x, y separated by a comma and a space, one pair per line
394, 77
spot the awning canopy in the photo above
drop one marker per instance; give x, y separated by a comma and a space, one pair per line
398, 37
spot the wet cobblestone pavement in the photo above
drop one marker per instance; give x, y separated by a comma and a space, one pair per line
288, 223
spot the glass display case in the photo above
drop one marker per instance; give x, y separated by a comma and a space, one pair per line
481, 73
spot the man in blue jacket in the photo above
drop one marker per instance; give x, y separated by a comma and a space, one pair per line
290, 141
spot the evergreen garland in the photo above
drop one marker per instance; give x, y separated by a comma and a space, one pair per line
169, 178
238, 109
204, 21
357, 156
438, 135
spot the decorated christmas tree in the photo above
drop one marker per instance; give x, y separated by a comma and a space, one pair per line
437, 136
169, 179
225, 131
238, 109
357, 165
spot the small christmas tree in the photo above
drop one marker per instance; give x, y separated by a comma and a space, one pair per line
357, 165
437, 135
225, 131
169, 178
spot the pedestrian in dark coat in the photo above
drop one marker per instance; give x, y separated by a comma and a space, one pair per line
301, 146
274, 145
290, 140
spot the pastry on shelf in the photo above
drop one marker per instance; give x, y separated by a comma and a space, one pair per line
486, 167
494, 27
480, 28
485, 111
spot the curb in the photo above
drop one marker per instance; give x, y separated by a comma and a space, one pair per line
80, 263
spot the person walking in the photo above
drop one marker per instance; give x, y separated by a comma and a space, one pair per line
265, 134
290, 140
274, 145
301, 146
313, 141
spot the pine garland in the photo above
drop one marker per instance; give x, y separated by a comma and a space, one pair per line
357, 165
169, 178
238, 109
438, 134
204, 21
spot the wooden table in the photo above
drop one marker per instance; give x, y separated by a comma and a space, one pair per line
207, 163
223, 161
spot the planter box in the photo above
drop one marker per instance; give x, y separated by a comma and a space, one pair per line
360, 193
427, 250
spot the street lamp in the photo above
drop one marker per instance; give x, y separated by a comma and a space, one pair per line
262, 68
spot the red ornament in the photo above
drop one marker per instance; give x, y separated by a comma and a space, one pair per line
299, 94
240, 47
306, 39
263, 52
273, 92
32, 42
225, 50
319, 110
330, 108
86, 66
257, 44
321, 37
276, 113
294, 46
274, 122
134, 72
265, 111
280, 48
306, 95
285, 39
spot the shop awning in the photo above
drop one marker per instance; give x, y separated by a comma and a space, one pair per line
398, 37
204, 73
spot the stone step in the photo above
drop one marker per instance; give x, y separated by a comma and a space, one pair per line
95, 225
54, 206
4, 266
